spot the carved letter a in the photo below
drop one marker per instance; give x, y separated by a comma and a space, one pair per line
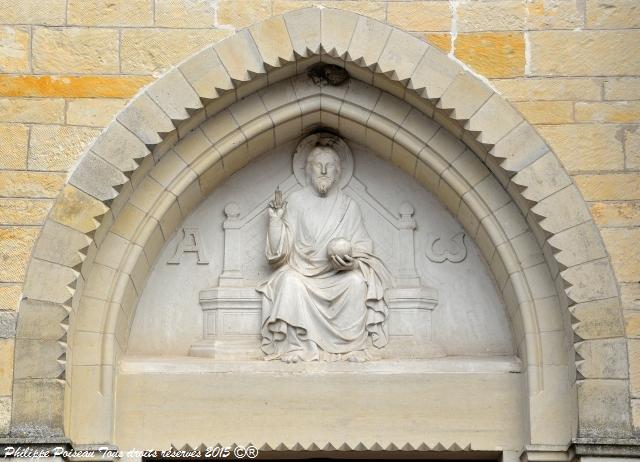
191, 242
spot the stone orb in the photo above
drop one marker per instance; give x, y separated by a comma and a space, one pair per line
339, 246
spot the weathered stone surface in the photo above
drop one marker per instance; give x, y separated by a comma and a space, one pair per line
631, 139
6, 367
155, 50
581, 53
273, 42
243, 14
120, 148
585, 147
434, 74
73, 86
175, 96
634, 366
578, 244
109, 12
30, 416
30, 184
464, 96
632, 323
41, 320
420, 16
75, 50
598, 319
546, 112
15, 249
37, 359
146, 120
77, 209
440, 41
5, 415
590, 281
375, 10
24, 211
494, 120
57, 147
10, 296
491, 16
610, 186
614, 214
92, 112
336, 29
604, 407
603, 359
542, 178
29, 110
621, 14
7, 324
630, 296
14, 141
14, 49
304, 30
543, 14
624, 250
534, 89
50, 13
97, 177
622, 89
169, 13
616, 112
60, 244
48, 282
492, 54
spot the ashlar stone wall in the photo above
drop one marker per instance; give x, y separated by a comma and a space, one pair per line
572, 67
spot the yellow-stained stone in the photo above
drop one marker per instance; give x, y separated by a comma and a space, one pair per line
15, 249
491, 16
586, 147
583, 53
622, 89
420, 16
14, 141
31, 184
548, 89
622, 244
48, 13
75, 50
10, 295
546, 14
92, 112
630, 296
375, 10
57, 147
110, 12
632, 148
14, 49
77, 209
619, 112
606, 187
613, 214
441, 41
72, 86
632, 323
193, 13
634, 367
32, 110
546, 112
24, 211
608, 14
243, 14
155, 50
6, 365
492, 54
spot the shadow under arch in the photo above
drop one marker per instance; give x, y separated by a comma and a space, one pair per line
119, 175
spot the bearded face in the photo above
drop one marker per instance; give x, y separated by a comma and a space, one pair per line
323, 169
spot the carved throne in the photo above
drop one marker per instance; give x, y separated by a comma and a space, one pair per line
233, 310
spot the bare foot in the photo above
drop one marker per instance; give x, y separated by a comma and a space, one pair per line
291, 357
360, 356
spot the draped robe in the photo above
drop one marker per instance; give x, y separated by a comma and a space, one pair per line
309, 306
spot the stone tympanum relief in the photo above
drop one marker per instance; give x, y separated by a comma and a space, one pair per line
419, 308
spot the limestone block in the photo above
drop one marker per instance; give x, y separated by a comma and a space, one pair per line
5, 415
37, 359
634, 366
155, 50
29, 110
420, 126
128, 221
615, 112
511, 220
622, 244
622, 89
519, 148
243, 14
191, 147
60, 244
464, 96
632, 323
146, 120
169, 13
336, 30
77, 210
112, 251
175, 96
493, 54
470, 168
603, 407
240, 56
29, 415
622, 14
41, 320
603, 358
635, 413
420, 16
494, 120
219, 127
611, 186
369, 38
206, 74
492, 16
578, 244
375, 10
562, 210
96, 112
110, 13
582, 53
87, 348
97, 177
304, 30
14, 51
401, 56
614, 214
51, 13
15, 248
120, 148
10, 295
446, 145
57, 147
75, 50
546, 112
542, 178
632, 148
544, 15
6, 366
48, 282
492, 193
590, 281
7, 324
24, 211
14, 141
598, 319
527, 250
273, 42
534, 89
